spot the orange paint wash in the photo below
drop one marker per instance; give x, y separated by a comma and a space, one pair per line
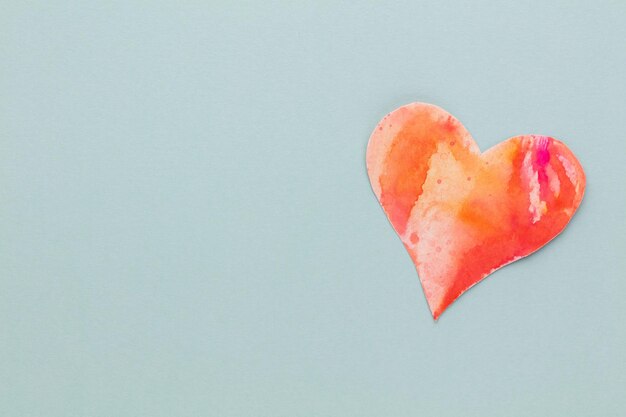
460, 213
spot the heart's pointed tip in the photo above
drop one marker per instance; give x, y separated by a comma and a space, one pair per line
435, 313
437, 310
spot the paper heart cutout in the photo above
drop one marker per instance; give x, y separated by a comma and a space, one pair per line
463, 214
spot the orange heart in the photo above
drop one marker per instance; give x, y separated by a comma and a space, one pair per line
461, 214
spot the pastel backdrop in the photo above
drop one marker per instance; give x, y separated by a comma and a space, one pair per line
187, 227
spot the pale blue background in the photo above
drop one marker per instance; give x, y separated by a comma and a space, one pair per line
187, 227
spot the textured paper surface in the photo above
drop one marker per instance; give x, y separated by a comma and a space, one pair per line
462, 214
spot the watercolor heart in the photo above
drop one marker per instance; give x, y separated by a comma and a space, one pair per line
463, 214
